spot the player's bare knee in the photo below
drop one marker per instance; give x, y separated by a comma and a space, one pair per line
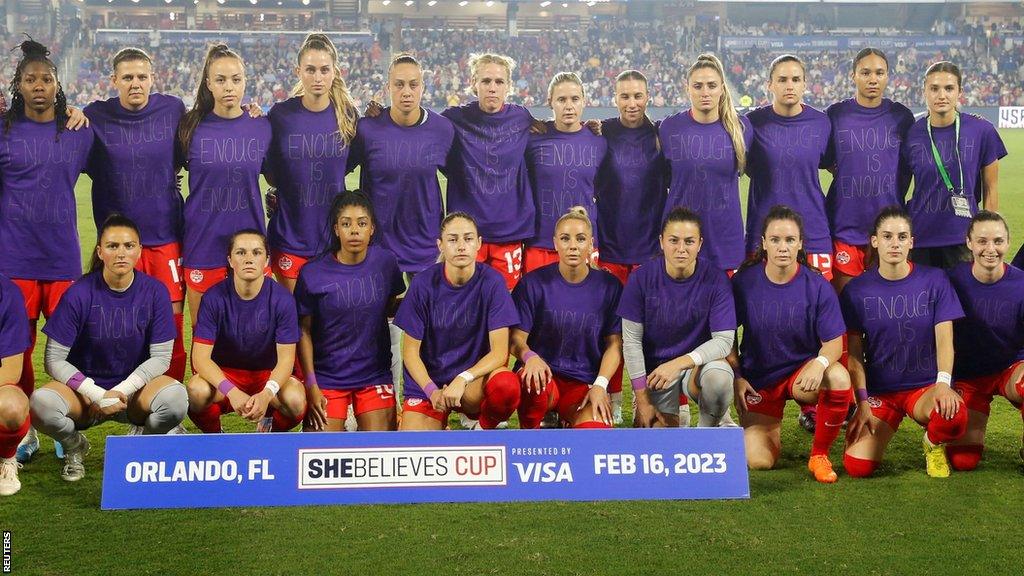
13, 406
200, 394
838, 378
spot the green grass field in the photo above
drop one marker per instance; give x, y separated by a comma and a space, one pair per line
900, 522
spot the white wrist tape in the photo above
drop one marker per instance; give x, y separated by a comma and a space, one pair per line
823, 361
467, 376
944, 378
273, 387
697, 359
90, 390
601, 382
130, 385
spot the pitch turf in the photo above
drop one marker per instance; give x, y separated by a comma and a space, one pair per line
900, 522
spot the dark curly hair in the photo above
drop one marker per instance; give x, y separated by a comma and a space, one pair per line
33, 52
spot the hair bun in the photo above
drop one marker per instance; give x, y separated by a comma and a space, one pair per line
32, 48
578, 211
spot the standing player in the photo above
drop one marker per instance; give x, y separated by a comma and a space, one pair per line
568, 338
308, 157
400, 151
790, 144
109, 345
224, 151
864, 156
39, 165
14, 407
456, 317
678, 326
344, 299
900, 316
706, 151
989, 341
954, 159
487, 168
134, 169
243, 349
562, 164
792, 339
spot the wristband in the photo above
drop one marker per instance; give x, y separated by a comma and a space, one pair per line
225, 386
273, 386
696, 358
429, 388
467, 376
310, 381
90, 390
823, 361
529, 354
639, 383
601, 382
861, 394
944, 378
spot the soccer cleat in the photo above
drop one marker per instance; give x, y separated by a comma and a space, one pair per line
821, 467
726, 421
684, 416
179, 429
28, 447
807, 420
502, 425
266, 424
351, 424
9, 483
134, 430
551, 420
935, 460
58, 450
468, 423
616, 408
74, 466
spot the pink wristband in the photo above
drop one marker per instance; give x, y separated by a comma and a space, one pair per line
75, 381
639, 383
310, 381
225, 386
861, 394
529, 354
429, 388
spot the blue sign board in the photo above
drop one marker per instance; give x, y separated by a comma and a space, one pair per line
818, 43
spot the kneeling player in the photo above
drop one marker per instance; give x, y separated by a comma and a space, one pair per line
243, 346
344, 299
14, 420
990, 339
790, 352
110, 342
568, 339
456, 317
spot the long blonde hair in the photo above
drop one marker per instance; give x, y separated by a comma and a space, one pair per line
344, 108
726, 111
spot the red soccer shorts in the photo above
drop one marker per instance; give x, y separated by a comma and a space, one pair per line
41, 295
249, 381
362, 400
164, 263
202, 279
540, 257
287, 265
771, 401
505, 258
850, 260
424, 407
891, 407
823, 262
978, 392
620, 271
569, 394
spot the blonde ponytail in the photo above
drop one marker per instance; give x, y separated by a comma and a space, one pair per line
341, 100
726, 110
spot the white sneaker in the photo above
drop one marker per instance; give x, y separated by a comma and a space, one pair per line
135, 430
28, 446
468, 423
74, 466
616, 408
502, 425
179, 429
726, 421
351, 424
684, 416
9, 483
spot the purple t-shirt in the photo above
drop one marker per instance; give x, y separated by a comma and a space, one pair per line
630, 193
562, 168
307, 160
134, 166
487, 170
783, 165
897, 319
108, 332
38, 215
784, 325
567, 322
865, 150
705, 179
931, 209
225, 160
348, 305
245, 333
453, 323
991, 335
399, 174
1018, 260
14, 336
677, 315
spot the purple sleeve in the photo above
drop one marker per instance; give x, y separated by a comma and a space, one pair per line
355, 152
208, 320
397, 279
501, 312
66, 322
303, 301
612, 323
163, 329
287, 329
828, 318
824, 162
523, 300
412, 316
992, 147
14, 335
848, 307
631, 303
723, 308
947, 304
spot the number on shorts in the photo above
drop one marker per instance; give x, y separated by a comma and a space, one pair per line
174, 266
514, 260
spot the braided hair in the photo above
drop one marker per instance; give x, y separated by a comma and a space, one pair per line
32, 52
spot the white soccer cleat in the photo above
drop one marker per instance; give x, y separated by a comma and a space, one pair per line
134, 430
684, 416
28, 446
468, 423
726, 421
351, 424
74, 466
179, 429
9, 483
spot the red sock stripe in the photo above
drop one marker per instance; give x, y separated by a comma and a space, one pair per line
9, 439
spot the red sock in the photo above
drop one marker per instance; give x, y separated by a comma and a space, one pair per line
859, 467
501, 398
177, 368
208, 420
684, 400
965, 457
615, 384
9, 439
832, 407
283, 423
27, 383
591, 424
941, 431
533, 407
1020, 392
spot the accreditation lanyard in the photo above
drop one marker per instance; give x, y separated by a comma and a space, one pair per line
959, 200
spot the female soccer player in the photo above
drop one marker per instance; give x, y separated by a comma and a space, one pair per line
14, 407
134, 169
864, 156
678, 325
706, 150
456, 317
562, 163
243, 348
790, 144
344, 299
900, 315
400, 151
109, 345
989, 340
630, 184
308, 157
954, 159
224, 150
568, 340
792, 338
39, 165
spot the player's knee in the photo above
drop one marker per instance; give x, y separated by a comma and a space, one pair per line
716, 387
200, 393
13, 406
859, 467
293, 401
965, 457
503, 391
48, 408
168, 408
838, 378
942, 430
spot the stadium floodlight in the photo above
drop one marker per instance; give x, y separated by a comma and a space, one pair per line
305, 2
432, 2
386, 2
489, 3
565, 4
168, 1
253, 2
410, 2
464, 2
545, 3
